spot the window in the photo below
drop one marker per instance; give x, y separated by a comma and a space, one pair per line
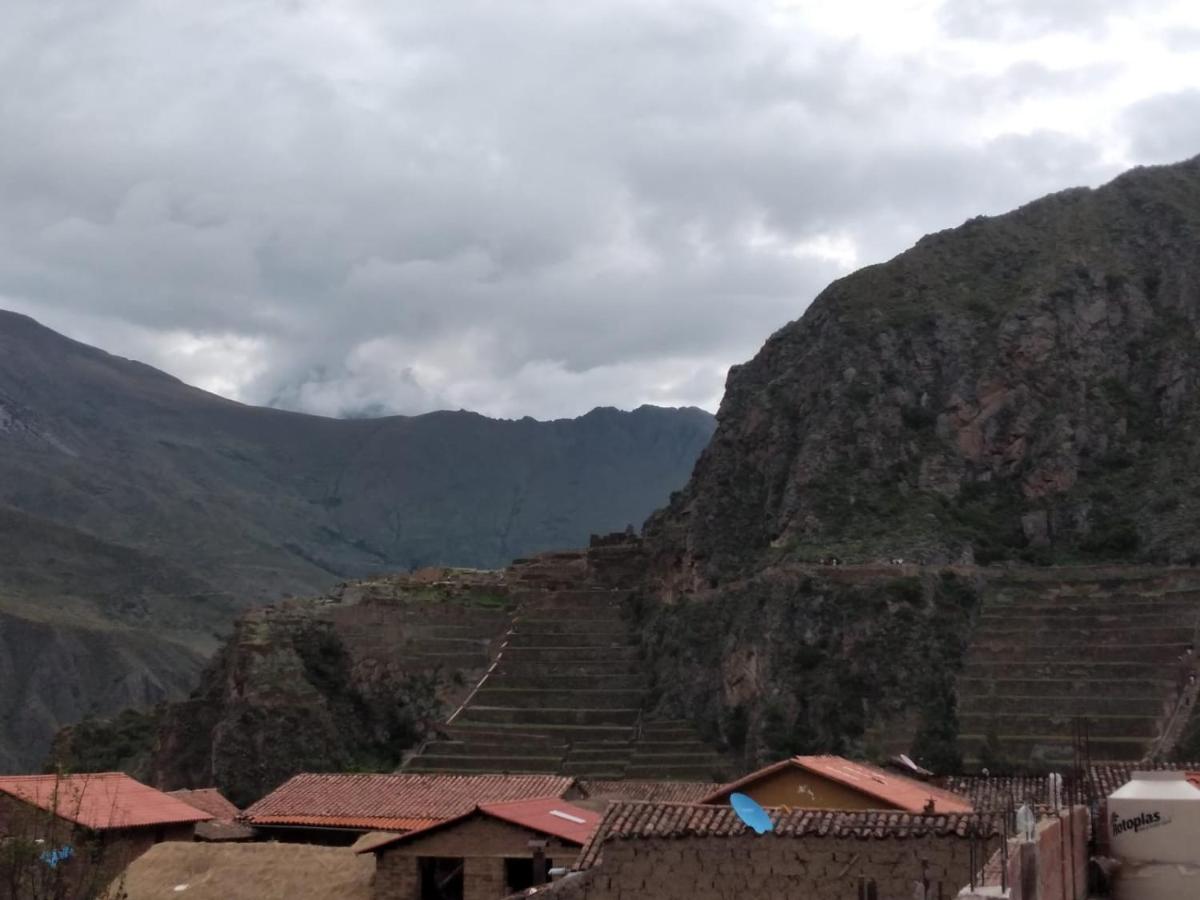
441, 877
518, 874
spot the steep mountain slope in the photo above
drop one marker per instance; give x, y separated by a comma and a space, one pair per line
144, 512
267, 501
89, 626
1020, 387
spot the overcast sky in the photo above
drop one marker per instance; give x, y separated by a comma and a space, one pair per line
531, 208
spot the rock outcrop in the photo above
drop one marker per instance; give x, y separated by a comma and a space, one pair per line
1022, 387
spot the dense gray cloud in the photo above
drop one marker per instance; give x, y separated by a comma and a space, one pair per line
1167, 127
520, 208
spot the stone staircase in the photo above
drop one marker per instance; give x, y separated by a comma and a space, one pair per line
565, 692
1052, 650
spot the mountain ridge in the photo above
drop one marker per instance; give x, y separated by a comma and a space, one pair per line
1018, 387
108, 459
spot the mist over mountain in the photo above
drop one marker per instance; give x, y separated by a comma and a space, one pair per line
141, 512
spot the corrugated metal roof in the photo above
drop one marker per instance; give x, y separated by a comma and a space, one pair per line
372, 801
895, 791
102, 801
679, 820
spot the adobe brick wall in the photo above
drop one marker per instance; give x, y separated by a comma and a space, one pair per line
483, 878
482, 843
481, 836
397, 877
770, 868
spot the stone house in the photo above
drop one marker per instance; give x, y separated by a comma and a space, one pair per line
336, 810
112, 816
676, 851
485, 854
834, 783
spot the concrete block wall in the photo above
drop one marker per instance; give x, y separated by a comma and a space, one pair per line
1051, 867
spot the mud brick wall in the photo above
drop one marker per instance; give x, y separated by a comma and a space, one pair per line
772, 868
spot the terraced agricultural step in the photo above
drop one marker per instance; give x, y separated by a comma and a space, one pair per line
1139, 726
468, 732
558, 734
1097, 603
455, 763
682, 746
474, 747
491, 695
674, 760
473, 631
678, 773
569, 596
1066, 636
1061, 668
476, 660
617, 752
569, 640
566, 715
999, 651
1053, 749
507, 680
971, 688
571, 655
1165, 615
663, 733
613, 625
522, 664
1068, 706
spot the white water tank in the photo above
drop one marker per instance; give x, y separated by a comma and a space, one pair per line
1154, 830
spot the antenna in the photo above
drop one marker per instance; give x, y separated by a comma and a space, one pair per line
753, 815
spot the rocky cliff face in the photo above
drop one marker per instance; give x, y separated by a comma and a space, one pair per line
139, 515
804, 660
1020, 387
345, 682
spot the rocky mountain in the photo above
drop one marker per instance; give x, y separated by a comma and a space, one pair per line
1022, 387
139, 514
1003, 407
1018, 394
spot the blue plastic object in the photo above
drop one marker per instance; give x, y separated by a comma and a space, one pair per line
751, 813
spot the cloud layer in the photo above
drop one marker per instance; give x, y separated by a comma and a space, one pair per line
530, 207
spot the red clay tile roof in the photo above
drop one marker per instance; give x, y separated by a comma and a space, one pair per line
358, 823
994, 793
1105, 779
208, 800
894, 790
101, 801
550, 816
399, 802
679, 820
650, 791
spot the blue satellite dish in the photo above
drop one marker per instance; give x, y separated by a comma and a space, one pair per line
751, 813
